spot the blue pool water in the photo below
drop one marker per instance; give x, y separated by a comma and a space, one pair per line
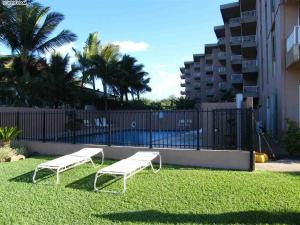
137, 138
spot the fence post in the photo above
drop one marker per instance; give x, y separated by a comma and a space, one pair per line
251, 144
150, 121
44, 126
74, 127
18, 122
109, 128
198, 129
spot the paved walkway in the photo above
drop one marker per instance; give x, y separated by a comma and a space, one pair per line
283, 165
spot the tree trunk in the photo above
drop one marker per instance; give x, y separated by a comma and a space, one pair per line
138, 95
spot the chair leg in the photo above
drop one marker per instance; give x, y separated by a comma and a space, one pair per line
95, 182
34, 175
93, 164
124, 184
102, 160
156, 170
57, 176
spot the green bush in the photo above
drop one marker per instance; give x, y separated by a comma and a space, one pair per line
6, 153
291, 137
8, 134
18, 147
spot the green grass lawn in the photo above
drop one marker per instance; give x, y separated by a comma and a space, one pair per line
173, 196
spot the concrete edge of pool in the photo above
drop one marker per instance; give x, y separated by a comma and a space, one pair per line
218, 159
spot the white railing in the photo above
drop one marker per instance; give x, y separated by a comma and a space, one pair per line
235, 20
222, 55
209, 68
251, 90
222, 69
293, 38
250, 64
249, 14
210, 79
237, 78
236, 40
249, 39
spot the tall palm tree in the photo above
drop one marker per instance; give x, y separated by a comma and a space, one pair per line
91, 49
131, 78
59, 82
26, 30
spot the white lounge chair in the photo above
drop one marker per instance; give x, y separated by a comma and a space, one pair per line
69, 161
128, 167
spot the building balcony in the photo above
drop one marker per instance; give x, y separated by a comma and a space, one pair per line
248, 16
250, 91
210, 80
208, 57
222, 56
236, 59
210, 92
237, 78
249, 66
197, 88
197, 78
182, 76
236, 40
222, 86
197, 66
249, 41
221, 70
183, 84
188, 71
293, 48
221, 41
209, 69
183, 93
234, 22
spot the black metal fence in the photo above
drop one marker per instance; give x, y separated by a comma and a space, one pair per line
221, 129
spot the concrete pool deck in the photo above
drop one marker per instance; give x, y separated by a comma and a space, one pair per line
283, 165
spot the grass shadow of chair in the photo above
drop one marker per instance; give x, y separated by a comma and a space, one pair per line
87, 183
27, 177
244, 217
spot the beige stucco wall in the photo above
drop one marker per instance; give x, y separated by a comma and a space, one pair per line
221, 159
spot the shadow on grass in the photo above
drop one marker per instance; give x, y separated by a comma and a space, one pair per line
87, 183
246, 217
27, 177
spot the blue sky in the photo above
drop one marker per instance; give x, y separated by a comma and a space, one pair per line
161, 34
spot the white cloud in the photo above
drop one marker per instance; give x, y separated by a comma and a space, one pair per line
131, 46
164, 84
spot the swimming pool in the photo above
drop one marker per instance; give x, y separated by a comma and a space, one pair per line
162, 139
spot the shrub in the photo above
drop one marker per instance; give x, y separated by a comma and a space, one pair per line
18, 147
6, 153
291, 137
8, 134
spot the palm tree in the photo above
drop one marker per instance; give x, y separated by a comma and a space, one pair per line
91, 48
131, 78
24, 33
60, 83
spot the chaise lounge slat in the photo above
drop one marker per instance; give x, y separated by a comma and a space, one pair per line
128, 167
69, 161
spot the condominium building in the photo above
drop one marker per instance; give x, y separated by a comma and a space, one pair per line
279, 63
230, 65
258, 54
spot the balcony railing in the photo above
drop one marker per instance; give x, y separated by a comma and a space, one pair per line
250, 91
249, 66
236, 40
210, 92
249, 40
222, 55
210, 80
236, 59
187, 71
248, 15
237, 78
182, 76
222, 70
197, 78
183, 93
292, 47
221, 41
183, 84
208, 57
233, 22
197, 88
222, 86
209, 68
